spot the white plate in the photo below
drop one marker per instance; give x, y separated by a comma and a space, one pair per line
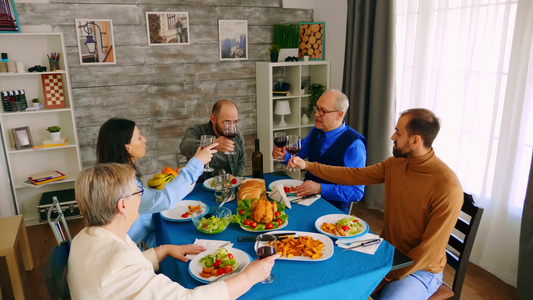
195, 267
333, 219
174, 214
207, 183
287, 183
282, 226
328, 243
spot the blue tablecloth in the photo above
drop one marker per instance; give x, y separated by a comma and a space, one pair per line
346, 275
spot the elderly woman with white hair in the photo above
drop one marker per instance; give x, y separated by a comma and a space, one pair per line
104, 262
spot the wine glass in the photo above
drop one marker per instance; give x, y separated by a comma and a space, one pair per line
265, 246
230, 131
280, 139
205, 141
293, 146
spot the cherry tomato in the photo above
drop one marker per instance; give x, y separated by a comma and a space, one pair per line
286, 189
247, 222
220, 271
276, 214
217, 263
234, 181
355, 221
280, 221
253, 224
345, 228
269, 226
185, 215
241, 211
230, 256
228, 268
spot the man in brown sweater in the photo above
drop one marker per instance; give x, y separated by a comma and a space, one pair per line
423, 199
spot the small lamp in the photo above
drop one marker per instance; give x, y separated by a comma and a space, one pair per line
91, 44
282, 108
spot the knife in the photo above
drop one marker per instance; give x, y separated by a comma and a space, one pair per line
365, 244
252, 238
304, 197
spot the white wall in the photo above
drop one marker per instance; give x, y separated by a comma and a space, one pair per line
332, 12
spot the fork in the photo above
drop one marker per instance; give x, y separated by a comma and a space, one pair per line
238, 270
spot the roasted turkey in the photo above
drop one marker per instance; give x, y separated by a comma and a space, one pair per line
263, 210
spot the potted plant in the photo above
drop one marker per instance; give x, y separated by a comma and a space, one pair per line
35, 102
55, 132
306, 56
274, 52
315, 90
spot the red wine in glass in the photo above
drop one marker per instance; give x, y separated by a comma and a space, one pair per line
230, 135
293, 150
280, 141
265, 251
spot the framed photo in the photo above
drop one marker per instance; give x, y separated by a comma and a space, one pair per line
167, 28
312, 40
96, 42
22, 137
9, 21
233, 38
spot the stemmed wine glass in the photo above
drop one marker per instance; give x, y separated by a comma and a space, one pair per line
265, 246
293, 146
205, 141
230, 131
280, 139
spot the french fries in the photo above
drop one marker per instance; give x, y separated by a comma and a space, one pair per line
302, 246
192, 209
333, 229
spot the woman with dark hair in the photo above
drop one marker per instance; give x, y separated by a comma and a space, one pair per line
120, 141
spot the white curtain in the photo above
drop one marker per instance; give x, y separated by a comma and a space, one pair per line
471, 62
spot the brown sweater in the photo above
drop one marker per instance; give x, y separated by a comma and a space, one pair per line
423, 199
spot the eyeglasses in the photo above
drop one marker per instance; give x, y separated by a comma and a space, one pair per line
322, 112
232, 123
140, 191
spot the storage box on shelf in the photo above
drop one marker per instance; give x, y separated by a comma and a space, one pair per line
32, 50
294, 73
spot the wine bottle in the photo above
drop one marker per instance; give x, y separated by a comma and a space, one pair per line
257, 161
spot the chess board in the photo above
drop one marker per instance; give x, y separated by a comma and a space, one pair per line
53, 91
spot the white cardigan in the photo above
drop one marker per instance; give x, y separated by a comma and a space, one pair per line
102, 266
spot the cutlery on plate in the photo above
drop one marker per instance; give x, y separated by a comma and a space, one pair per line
252, 238
303, 198
223, 245
364, 244
237, 270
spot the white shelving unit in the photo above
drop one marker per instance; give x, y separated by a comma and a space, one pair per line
32, 49
267, 74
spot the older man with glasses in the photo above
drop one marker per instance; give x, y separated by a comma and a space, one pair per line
331, 142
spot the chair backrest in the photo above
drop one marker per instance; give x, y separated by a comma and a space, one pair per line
59, 224
55, 272
462, 246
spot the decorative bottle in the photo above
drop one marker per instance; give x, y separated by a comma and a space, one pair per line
257, 161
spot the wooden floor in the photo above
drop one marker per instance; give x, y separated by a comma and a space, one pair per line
479, 284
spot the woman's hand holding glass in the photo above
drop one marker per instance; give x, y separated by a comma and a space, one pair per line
297, 162
205, 141
205, 154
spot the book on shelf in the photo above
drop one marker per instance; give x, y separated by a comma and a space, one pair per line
281, 93
45, 177
55, 143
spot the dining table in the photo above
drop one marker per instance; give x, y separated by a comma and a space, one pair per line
344, 275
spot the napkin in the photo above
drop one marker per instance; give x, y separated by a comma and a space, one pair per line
345, 243
213, 244
309, 201
279, 195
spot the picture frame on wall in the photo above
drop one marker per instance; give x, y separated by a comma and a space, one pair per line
9, 21
233, 39
22, 137
167, 28
96, 42
312, 40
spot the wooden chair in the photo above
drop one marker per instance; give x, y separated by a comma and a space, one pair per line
59, 224
55, 272
459, 249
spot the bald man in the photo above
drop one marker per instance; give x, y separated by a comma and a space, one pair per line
223, 111
334, 143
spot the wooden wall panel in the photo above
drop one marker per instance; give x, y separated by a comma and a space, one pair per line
163, 89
